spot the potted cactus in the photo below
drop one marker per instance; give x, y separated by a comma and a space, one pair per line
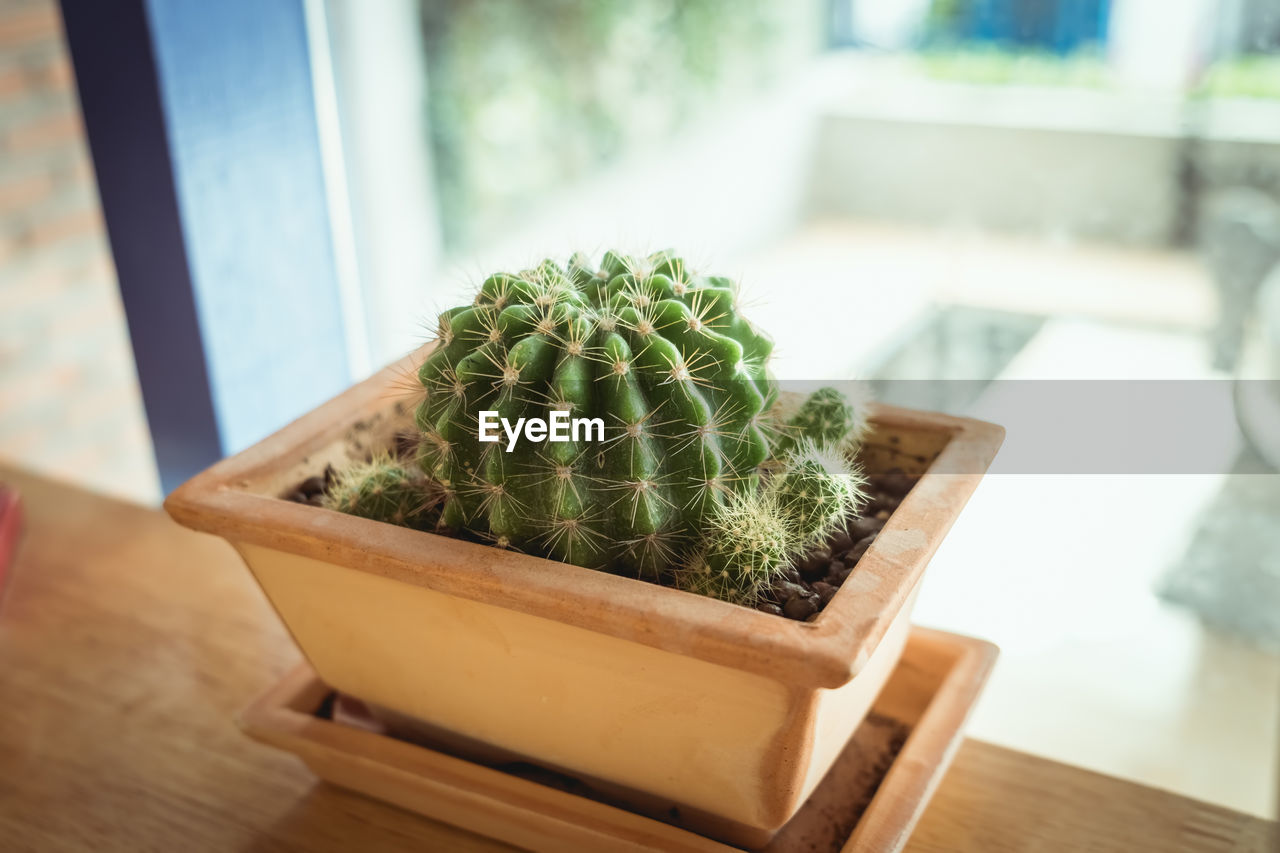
567, 548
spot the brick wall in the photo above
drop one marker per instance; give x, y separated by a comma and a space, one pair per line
69, 399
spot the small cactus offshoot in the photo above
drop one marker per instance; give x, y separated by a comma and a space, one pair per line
750, 541
818, 489
828, 419
384, 490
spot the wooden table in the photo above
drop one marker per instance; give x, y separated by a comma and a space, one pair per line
127, 644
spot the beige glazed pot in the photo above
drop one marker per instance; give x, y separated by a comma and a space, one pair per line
660, 698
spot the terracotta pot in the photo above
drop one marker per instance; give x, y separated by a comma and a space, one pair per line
663, 698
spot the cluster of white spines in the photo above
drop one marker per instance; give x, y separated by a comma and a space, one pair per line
753, 538
382, 489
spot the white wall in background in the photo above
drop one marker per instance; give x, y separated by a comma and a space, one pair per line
887, 24
1055, 162
1160, 44
381, 82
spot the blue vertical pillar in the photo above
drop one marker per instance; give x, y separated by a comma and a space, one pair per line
201, 121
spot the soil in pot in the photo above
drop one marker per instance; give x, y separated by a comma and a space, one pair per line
805, 588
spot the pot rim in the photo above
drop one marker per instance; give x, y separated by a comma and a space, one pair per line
827, 652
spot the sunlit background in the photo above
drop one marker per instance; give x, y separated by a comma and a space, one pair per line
907, 189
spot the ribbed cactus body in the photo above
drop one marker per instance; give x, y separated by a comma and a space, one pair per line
661, 356
818, 489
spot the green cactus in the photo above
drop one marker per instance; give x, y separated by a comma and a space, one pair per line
695, 476
384, 490
817, 490
828, 419
661, 355
749, 541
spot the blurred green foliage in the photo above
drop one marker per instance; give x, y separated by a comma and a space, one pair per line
529, 96
1255, 76
1001, 67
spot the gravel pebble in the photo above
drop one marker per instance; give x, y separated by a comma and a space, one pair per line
800, 607
856, 552
896, 483
816, 559
882, 503
861, 528
786, 590
312, 486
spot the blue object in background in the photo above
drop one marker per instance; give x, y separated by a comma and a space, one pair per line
201, 121
1059, 26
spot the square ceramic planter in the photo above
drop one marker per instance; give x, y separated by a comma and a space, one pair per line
662, 698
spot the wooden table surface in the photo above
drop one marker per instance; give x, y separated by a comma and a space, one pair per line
127, 645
